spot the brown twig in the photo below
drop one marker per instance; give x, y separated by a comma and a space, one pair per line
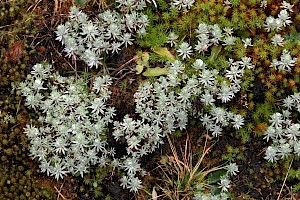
123, 65
118, 80
278, 198
34, 6
59, 192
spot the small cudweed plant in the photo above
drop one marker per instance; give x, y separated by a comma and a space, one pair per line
74, 120
282, 20
183, 5
285, 63
283, 132
90, 39
160, 111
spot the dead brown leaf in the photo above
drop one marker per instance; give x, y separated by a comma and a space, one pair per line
15, 51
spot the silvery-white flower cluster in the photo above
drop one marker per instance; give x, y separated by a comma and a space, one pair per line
73, 114
183, 5
277, 40
208, 35
283, 132
203, 196
212, 89
74, 118
224, 185
161, 109
131, 5
263, 4
90, 39
285, 63
74, 121
282, 20
247, 42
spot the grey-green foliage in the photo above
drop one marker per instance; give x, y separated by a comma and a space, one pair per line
183, 5
283, 132
160, 111
133, 5
73, 121
163, 107
107, 33
74, 118
282, 20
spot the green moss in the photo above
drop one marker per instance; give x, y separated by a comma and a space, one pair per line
156, 36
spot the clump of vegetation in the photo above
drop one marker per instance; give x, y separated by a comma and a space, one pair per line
183, 178
222, 66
